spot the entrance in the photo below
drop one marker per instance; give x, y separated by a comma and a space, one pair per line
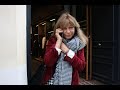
82, 14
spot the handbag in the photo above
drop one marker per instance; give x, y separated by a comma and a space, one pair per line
37, 78
42, 69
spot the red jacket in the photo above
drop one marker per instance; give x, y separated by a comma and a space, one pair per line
51, 56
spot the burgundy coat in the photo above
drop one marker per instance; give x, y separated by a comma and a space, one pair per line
51, 56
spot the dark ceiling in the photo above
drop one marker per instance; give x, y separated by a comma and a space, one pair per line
42, 12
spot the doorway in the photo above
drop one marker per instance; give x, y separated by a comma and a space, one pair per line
83, 14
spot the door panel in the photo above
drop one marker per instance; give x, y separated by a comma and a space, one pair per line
102, 35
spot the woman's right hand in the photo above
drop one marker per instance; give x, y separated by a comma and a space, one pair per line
59, 38
57, 33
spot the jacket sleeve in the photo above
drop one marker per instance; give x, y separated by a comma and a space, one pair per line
78, 61
51, 55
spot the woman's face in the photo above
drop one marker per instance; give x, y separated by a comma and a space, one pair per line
68, 32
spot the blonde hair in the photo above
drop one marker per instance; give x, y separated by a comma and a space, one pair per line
64, 20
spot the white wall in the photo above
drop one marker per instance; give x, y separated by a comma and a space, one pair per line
13, 65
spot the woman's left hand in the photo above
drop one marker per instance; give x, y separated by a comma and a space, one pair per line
64, 48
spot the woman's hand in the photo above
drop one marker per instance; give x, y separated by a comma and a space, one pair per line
64, 48
59, 38
57, 33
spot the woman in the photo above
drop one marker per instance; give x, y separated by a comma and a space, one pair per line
64, 56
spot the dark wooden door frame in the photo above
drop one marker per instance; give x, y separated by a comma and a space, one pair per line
28, 38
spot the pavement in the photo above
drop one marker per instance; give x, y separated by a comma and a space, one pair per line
90, 82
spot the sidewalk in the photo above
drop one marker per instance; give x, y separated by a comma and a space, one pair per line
90, 82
